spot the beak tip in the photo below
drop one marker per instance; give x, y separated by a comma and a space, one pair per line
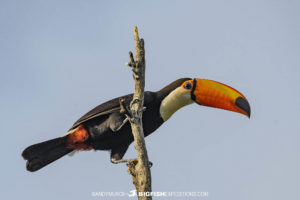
249, 112
244, 105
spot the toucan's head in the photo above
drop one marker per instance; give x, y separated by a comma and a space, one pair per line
206, 93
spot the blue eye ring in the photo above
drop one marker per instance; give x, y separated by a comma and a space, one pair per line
188, 85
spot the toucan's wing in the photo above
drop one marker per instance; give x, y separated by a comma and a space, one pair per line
106, 108
111, 106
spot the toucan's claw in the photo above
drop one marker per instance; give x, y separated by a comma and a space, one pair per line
135, 161
128, 161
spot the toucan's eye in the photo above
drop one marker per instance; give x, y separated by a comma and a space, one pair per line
187, 85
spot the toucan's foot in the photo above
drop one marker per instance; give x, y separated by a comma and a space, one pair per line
134, 161
128, 161
116, 129
115, 161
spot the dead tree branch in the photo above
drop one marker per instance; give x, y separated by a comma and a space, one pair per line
140, 168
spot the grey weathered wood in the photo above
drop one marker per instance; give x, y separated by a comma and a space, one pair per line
139, 169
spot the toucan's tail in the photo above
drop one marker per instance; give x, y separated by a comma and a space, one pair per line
44, 153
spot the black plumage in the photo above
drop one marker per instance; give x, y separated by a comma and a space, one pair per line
99, 129
102, 121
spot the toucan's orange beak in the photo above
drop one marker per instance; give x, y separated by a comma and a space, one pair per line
218, 95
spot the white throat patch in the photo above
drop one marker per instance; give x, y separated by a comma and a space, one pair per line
175, 100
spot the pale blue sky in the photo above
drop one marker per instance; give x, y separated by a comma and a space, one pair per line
61, 58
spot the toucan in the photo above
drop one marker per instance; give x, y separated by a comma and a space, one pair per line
107, 128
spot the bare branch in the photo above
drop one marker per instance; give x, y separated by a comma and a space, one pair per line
140, 169
131, 63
